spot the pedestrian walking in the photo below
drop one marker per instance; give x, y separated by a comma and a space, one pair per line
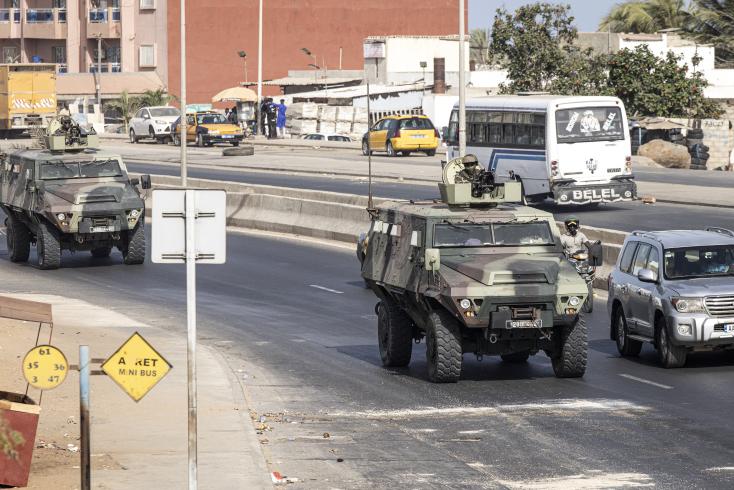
272, 111
280, 121
264, 117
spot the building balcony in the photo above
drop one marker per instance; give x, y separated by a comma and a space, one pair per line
104, 23
9, 23
45, 24
105, 68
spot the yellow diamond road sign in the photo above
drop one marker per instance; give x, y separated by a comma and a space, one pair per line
136, 367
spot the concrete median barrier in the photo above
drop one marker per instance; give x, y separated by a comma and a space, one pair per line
328, 215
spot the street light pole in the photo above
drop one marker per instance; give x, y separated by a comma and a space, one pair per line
182, 125
259, 67
462, 83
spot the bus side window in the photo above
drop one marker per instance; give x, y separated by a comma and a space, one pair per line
495, 127
508, 133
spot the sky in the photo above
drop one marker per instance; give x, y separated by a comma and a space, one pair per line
588, 13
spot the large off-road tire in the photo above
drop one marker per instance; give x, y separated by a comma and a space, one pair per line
48, 248
394, 334
589, 303
669, 355
569, 360
18, 238
516, 357
443, 348
390, 150
133, 252
626, 346
101, 252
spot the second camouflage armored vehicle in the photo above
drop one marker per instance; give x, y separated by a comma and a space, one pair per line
71, 196
473, 274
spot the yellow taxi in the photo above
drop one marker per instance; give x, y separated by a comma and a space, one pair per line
207, 128
402, 135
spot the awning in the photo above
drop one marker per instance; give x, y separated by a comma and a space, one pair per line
72, 85
235, 94
659, 123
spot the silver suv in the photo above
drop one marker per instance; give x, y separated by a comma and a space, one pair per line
682, 303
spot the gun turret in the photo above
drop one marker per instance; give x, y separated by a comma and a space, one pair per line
65, 134
467, 183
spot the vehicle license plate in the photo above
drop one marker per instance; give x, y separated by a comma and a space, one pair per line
729, 328
525, 323
419, 136
227, 136
101, 229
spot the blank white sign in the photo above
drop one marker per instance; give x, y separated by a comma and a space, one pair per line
169, 226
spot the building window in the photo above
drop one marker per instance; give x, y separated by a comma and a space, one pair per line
113, 54
59, 4
147, 56
59, 54
147, 4
11, 54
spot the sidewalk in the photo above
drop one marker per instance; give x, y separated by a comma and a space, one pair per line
134, 445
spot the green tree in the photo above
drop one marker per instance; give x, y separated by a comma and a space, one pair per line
9, 439
712, 22
155, 98
528, 44
646, 16
479, 47
126, 105
650, 86
582, 73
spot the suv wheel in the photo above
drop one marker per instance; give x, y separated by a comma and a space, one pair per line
133, 138
569, 360
394, 332
670, 356
443, 348
48, 248
18, 239
625, 345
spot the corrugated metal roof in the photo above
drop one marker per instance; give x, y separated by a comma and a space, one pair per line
445, 37
304, 81
361, 91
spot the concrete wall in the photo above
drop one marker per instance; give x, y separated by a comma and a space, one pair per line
438, 107
218, 30
718, 136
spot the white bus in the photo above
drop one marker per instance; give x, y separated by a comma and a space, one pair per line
575, 150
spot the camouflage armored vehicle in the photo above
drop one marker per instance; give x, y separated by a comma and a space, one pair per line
71, 196
473, 274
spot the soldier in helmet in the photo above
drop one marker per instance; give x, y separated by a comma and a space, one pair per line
472, 169
573, 240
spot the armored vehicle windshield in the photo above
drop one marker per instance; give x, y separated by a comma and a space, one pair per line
499, 234
82, 169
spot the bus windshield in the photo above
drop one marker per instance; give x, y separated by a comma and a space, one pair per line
459, 235
589, 124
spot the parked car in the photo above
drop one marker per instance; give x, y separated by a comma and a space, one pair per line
153, 122
402, 134
206, 128
327, 137
674, 289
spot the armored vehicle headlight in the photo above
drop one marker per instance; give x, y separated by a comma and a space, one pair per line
134, 213
688, 305
61, 216
465, 304
580, 256
574, 300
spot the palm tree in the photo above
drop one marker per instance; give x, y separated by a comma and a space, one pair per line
646, 16
712, 22
126, 106
479, 46
155, 98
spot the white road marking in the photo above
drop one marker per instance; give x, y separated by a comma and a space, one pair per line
646, 381
574, 405
326, 289
592, 480
720, 468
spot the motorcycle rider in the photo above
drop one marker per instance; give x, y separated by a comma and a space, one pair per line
573, 240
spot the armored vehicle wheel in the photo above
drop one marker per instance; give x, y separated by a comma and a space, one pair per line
133, 138
394, 332
516, 357
670, 356
625, 345
101, 252
443, 348
365, 148
569, 360
48, 248
390, 150
18, 239
134, 251
589, 303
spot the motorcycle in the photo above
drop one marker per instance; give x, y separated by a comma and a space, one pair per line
584, 266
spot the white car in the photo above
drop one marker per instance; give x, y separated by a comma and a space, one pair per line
154, 123
327, 137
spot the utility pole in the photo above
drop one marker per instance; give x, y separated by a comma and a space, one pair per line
184, 132
259, 68
462, 83
99, 72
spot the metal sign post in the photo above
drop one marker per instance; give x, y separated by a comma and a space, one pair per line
462, 82
84, 416
189, 225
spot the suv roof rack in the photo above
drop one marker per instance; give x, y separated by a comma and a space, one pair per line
721, 231
646, 234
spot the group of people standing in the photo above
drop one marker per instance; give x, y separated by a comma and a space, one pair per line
272, 122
